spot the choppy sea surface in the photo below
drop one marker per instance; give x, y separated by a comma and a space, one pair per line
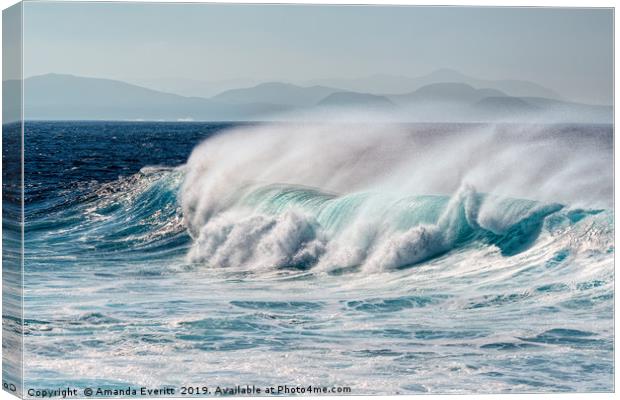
435, 258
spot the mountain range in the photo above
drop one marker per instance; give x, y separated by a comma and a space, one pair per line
384, 83
377, 84
68, 97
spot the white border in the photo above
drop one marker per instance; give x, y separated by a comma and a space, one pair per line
484, 3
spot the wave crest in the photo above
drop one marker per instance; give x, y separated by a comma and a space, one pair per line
343, 196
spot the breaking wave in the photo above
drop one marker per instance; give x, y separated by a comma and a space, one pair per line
345, 198
468, 258
380, 197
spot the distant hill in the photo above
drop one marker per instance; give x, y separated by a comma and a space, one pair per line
446, 92
352, 99
510, 104
276, 93
382, 84
504, 107
379, 84
55, 96
68, 97
191, 87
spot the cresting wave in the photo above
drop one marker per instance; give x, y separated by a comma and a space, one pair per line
288, 227
134, 216
468, 259
340, 197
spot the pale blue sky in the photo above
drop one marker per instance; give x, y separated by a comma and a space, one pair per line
568, 50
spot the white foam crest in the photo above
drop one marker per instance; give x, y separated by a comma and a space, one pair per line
397, 249
510, 161
259, 241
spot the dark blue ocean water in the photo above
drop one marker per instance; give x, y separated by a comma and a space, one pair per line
253, 263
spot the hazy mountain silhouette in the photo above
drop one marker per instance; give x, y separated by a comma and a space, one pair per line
56, 96
353, 99
191, 87
383, 83
68, 97
503, 107
446, 92
276, 93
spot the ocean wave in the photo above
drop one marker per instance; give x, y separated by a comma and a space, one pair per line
285, 203
369, 252
138, 214
299, 228
332, 198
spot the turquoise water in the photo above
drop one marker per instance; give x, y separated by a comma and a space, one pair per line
138, 274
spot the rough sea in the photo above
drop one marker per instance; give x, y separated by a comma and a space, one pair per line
440, 258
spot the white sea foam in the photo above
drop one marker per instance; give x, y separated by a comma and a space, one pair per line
544, 164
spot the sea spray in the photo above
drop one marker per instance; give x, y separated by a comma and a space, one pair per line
378, 196
480, 313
